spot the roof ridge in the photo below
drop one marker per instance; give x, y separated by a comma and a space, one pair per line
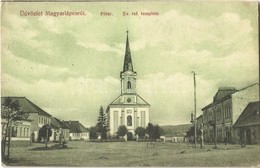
13, 96
248, 86
143, 99
115, 99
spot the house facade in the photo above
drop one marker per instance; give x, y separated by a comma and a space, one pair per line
227, 106
247, 126
37, 116
128, 108
77, 131
60, 131
21, 132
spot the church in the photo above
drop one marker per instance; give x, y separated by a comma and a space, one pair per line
128, 108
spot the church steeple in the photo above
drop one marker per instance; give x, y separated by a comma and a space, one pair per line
128, 65
128, 75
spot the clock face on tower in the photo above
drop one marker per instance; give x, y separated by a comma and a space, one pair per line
128, 100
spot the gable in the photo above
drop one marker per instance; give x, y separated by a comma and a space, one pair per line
139, 101
223, 92
250, 116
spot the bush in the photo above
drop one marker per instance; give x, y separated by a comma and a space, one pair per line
93, 133
122, 130
154, 131
140, 131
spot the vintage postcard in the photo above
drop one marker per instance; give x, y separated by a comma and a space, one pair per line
130, 84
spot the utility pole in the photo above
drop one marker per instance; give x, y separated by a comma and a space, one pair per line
202, 138
195, 118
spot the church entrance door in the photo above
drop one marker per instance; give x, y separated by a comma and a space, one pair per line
130, 136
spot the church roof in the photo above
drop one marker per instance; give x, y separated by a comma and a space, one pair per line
128, 65
139, 101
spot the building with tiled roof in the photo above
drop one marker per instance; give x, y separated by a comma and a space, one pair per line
38, 116
77, 130
128, 108
59, 128
247, 125
228, 104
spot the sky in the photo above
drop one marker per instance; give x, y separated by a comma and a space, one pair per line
70, 66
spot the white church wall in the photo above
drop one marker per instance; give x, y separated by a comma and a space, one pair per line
119, 116
143, 115
114, 120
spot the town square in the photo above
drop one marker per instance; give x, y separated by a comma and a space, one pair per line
130, 84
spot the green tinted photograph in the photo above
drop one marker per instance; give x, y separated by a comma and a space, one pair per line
130, 84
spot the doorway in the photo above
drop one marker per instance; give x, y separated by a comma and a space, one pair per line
130, 136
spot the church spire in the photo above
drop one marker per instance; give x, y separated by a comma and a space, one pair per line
128, 65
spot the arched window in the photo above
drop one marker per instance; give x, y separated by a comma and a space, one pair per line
128, 85
129, 120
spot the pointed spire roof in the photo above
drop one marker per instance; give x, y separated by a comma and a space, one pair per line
128, 65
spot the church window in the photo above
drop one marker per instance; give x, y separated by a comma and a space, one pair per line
129, 120
128, 85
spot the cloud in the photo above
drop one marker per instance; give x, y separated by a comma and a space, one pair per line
23, 68
181, 32
67, 99
101, 47
62, 24
20, 29
66, 65
172, 96
82, 96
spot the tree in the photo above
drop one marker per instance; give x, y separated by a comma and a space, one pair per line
93, 133
140, 131
190, 133
157, 131
12, 114
102, 127
45, 133
154, 131
149, 130
122, 130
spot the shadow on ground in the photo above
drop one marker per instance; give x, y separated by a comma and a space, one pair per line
49, 148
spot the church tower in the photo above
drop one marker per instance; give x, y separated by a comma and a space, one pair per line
128, 75
128, 108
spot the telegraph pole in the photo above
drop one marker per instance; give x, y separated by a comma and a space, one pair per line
195, 118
